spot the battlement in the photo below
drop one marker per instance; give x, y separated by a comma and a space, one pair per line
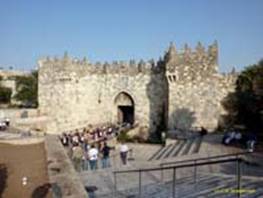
83, 67
188, 56
188, 64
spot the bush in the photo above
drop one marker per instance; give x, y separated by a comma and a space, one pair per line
5, 95
124, 137
142, 136
27, 89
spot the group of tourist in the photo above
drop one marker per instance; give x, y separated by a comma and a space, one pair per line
89, 146
91, 134
88, 158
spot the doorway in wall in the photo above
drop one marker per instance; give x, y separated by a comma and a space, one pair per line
125, 108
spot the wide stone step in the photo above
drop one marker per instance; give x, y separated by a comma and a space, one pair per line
156, 154
164, 150
158, 184
179, 149
168, 154
206, 187
197, 145
165, 189
188, 146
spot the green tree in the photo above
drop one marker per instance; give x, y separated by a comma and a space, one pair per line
245, 105
5, 95
27, 89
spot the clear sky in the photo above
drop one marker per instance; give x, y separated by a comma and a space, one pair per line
106, 30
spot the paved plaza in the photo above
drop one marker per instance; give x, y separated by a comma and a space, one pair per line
211, 181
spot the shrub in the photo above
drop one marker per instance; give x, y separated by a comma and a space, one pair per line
124, 137
5, 95
27, 89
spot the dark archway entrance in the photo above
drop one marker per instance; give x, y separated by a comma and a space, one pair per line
125, 108
126, 114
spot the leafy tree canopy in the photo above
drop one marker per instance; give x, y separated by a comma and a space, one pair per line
5, 95
27, 89
245, 105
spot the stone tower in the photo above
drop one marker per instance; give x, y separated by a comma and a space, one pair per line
195, 87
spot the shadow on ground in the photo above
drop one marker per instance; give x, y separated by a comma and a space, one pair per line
3, 178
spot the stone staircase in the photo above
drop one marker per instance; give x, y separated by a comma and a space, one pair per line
158, 184
179, 148
207, 185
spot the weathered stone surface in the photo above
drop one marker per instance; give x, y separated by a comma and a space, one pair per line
182, 90
62, 175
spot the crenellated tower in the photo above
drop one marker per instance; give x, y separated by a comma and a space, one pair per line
191, 65
195, 86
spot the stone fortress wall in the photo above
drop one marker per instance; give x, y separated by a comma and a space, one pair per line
196, 88
75, 93
183, 89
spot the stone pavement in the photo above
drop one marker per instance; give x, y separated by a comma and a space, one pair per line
207, 185
156, 184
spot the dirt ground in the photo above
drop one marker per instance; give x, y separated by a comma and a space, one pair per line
18, 161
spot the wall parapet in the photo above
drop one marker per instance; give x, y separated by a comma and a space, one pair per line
83, 67
188, 64
62, 175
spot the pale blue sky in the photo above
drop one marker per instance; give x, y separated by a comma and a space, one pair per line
123, 30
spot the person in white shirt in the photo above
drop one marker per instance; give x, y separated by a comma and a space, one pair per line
75, 139
93, 157
123, 153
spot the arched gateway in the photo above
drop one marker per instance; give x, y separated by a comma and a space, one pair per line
125, 108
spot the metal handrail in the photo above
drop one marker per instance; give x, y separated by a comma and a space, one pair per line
205, 158
174, 168
177, 166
